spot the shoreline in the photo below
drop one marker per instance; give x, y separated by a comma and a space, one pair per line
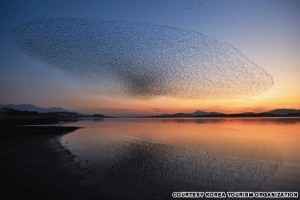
35, 165
32, 168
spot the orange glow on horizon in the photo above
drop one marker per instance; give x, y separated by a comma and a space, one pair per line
161, 105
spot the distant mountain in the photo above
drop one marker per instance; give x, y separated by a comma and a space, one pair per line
273, 113
194, 114
30, 107
284, 111
202, 113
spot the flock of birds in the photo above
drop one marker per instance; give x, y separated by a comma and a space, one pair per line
142, 60
194, 3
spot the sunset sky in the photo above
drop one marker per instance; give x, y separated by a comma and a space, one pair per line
266, 31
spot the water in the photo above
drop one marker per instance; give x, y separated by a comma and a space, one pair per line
164, 155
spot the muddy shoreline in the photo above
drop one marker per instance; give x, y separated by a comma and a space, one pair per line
36, 166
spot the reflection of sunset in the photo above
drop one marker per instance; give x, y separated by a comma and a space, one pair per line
263, 138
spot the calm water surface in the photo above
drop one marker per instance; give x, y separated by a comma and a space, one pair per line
250, 154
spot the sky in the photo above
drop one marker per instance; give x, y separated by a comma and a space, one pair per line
266, 31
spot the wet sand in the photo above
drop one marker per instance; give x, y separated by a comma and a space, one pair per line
35, 166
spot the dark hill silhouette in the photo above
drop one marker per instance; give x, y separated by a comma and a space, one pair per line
284, 111
18, 110
30, 107
10, 116
272, 113
202, 113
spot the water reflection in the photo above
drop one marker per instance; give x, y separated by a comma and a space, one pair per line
262, 120
147, 164
182, 154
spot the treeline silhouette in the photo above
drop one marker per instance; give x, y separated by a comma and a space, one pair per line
9, 116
